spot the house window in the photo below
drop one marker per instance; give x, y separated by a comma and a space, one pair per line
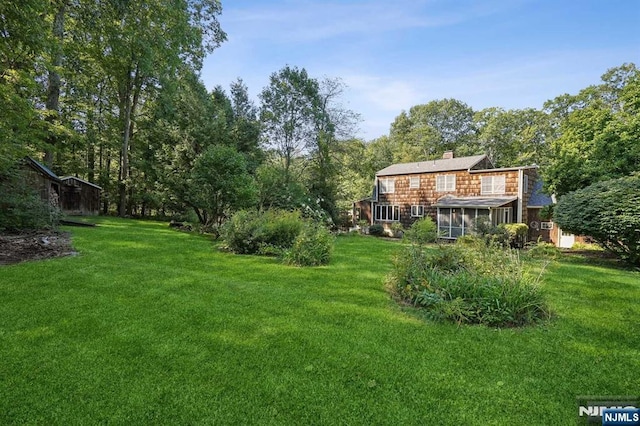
492, 185
501, 215
525, 184
387, 213
417, 211
546, 225
414, 182
387, 186
445, 183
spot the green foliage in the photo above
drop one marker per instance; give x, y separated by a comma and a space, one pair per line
312, 247
543, 250
220, 184
376, 230
597, 132
609, 212
422, 231
490, 233
269, 232
468, 284
517, 234
546, 213
21, 207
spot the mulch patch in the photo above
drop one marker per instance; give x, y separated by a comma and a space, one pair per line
35, 245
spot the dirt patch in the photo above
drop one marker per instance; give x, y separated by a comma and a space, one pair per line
34, 246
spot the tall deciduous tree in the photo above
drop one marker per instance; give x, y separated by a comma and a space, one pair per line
596, 132
289, 114
429, 130
139, 42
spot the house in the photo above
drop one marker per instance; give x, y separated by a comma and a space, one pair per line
455, 191
71, 194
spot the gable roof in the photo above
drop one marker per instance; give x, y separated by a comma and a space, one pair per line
41, 168
66, 178
432, 166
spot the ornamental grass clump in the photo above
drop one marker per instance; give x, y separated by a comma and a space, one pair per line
470, 284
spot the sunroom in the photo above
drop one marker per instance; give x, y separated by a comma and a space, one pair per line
456, 215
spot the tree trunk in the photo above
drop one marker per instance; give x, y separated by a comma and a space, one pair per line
54, 82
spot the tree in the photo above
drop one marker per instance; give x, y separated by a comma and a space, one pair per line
596, 132
288, 114
137, 43
429, 130
608, 211
514, 137
245, 128
220, 184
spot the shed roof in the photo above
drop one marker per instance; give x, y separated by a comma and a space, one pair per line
432, 166
66, 178
474, 202
42, 168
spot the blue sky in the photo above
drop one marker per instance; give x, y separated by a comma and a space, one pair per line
393, 55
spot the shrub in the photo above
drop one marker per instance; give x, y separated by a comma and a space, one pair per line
475, 285
517, 234
397, 229
21, 207
240, 233
376, 230
609, 212
422, 231
490, 233
312, 247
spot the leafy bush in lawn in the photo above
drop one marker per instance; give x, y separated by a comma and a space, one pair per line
270, 232
422, 231
470, 283
608, 211
312, 247
376, 230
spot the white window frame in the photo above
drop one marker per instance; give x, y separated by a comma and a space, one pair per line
417, 211
391, 210
387, 185
414, 182
445, 183
493, 185
546, 225
501, 215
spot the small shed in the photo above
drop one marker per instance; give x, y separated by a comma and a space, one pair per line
47, 183
80, 197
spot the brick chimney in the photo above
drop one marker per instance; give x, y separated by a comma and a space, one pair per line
448, 155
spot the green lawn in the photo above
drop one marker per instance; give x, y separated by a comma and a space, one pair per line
150, 325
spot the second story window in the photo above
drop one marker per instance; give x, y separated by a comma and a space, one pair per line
387, 185
492, 185
414, 182
445, 183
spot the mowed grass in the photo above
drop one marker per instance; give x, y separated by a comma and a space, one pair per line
153, 326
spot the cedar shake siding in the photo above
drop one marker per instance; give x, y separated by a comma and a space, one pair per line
452, 191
